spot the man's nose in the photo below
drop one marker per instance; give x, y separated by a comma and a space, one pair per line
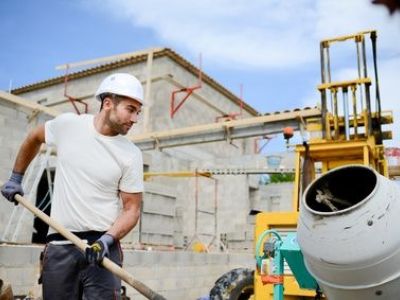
134, 117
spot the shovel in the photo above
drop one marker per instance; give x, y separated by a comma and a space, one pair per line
107, 263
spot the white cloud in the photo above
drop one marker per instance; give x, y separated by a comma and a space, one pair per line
389, 91
268, 35
345, 17
247, 34
254, 34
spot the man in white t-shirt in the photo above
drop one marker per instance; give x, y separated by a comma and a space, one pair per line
97, 190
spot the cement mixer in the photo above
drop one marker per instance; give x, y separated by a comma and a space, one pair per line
341, 240
349, 234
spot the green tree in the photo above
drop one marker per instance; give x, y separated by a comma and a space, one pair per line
282, 177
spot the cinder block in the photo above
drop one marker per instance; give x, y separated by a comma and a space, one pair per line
18, 126
184, 258
241, 245
236, 236
20, 277
19, 256
156, 239
160, 189
7, 152
139, 258
159, 204
168, 283
249, 235
154, 223
8, 110
144, 273
178, 240
2, 119
251, 219
131, 238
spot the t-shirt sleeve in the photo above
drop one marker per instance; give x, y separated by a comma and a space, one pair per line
52, 128
132, 177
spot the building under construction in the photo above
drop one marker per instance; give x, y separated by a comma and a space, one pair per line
207, 208
202, 172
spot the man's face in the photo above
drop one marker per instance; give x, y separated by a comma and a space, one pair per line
122, 114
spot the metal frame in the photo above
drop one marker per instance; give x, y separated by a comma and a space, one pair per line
188, 90
225, 131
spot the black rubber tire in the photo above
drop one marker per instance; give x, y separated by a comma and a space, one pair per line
237, 284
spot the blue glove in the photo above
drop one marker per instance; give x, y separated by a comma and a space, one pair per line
99, 249
13, 187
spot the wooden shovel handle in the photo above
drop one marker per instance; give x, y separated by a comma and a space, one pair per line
107, 263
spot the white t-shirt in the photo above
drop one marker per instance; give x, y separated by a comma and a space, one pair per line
91, 170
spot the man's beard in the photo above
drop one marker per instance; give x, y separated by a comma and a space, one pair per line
118, 127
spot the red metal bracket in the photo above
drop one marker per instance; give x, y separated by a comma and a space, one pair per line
257, 147
187, 90
272, 279
72, 99
233, 115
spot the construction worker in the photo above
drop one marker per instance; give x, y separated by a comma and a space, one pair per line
98, 169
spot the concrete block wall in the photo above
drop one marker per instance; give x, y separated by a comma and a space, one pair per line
196, 110
205, 213
15, 124
242, 239
217, 103
234, 211
234, 191
232, 194
202, 107
177, 275
275, 197
182, 275
193, 112
13, 128
158, 219
19, 266
22, 227
157, 225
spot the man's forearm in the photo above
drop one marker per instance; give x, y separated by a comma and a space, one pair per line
125, 222
28, 150
25, 155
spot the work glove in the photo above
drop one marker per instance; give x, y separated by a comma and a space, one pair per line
99, 249
13, 187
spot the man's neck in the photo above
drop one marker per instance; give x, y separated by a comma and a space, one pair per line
101, 125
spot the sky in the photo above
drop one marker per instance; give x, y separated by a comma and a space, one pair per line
270, 47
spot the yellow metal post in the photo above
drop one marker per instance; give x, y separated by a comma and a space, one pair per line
354, 98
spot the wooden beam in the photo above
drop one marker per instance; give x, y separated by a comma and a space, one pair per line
147, 96
106, 59
28, 104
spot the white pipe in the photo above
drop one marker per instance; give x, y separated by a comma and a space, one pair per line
353, 252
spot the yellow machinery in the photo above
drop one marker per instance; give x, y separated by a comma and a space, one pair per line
349, 132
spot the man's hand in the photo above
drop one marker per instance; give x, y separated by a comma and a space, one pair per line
13, 187
99, 249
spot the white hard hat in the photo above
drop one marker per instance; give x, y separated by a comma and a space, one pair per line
122, 84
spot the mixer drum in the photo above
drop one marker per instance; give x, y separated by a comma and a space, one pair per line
349, 234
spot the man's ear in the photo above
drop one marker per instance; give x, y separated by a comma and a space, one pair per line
107, 103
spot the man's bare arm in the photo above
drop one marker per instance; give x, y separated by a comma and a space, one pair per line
29, 148
129, 216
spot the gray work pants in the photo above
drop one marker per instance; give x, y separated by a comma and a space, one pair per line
66, 275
